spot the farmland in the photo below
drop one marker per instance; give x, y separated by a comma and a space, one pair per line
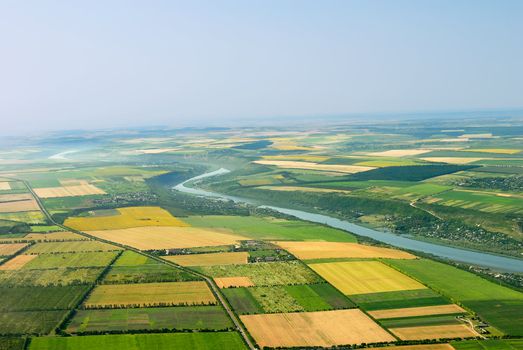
210, 259
417, 311
501, 344
62, 260
49, 277
10, 249
399, 299
70, 247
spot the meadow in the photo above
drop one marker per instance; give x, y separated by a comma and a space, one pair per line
63, 260
228, 258
30, 322
40, 298
50, 277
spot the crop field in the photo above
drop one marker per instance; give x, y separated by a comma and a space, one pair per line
321, 250
399, 299
228, 258
17, 262
50, 277
63, 260
11, 248
266, 274
180, 318
70, 247
400, 152
30, 322
15, 197
68, 191
271, 228
418, 311
419, 347
434, 332
126, 218
40, 298
452, 160
360, 277
323, 328
420, 190
149, 238
29, 217
163, 341
47, 237
284, 164
242, 301
19, 206
150, 294
302, 189
430, 320
4, 186
410, 172
500, 306
491, 344
483, 201
228, 282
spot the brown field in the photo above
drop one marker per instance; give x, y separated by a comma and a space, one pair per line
302, 189
15, 197
68, 191
452, 160
361, 277
320, 250
19, 206
228, 282
419, 347
434, 332
400, 152
148, 238
17, 262
4, 186
11, 248
417, 311
210, 259
151, 294
324, 328
288, 164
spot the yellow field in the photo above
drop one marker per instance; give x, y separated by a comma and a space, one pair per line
68, 191
17, 262
19, 206
129, 217
228, 282
30, 217
4, 186
156, 150
15, 197
494, 150
419, 347
321, 250
418, 311
287, 164
361, 277
301, 189
210, 259
11, 248
324, 328
434, 332
151, 294
400, 152
148, 238
302, 157
452, 160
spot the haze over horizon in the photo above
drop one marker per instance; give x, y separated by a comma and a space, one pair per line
125, 63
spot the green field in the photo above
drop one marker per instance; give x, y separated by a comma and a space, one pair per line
40, 298
398, 299
50, 277
317, 297
62, 260
12, 343
482, 201
502, 307
30, 322
419, 321
179, 318
420, 190
165, 341
501, 344
242, 301
71, 247
271, 228
266, 274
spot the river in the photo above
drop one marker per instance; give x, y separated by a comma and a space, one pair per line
461, 255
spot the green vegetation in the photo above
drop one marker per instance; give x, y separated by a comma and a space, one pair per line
40, 298
179, 318
399, 299
410, 172
242, 301
62, 260
420, 321
502, 307
12, 343
492, 344
264, 228
71, 247
30, 322
315, 297
165, 341
50, 277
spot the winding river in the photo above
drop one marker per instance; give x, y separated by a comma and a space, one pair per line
462, 255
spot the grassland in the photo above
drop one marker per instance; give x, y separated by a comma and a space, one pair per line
211, 259
150, 294
165, 341
71, 247
360, 277
267, 228
500, 306
266, 274
480, 200
128, 217
30, 322
63, 260
321, 250
173, 318
40, 298
323, 328
152, 237
50, 277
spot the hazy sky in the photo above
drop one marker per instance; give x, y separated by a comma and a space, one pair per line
74, 64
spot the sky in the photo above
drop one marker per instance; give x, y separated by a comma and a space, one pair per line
97, 64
